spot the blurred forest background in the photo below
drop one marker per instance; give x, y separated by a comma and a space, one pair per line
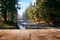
8, 13
45, 11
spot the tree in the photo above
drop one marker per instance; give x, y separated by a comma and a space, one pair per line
8, 8
51, 10
48, 10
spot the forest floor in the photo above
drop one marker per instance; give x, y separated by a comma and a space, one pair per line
5, 26
43, 26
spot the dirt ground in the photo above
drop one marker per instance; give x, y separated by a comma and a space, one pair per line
38, 34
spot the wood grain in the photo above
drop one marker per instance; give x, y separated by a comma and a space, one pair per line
42, 34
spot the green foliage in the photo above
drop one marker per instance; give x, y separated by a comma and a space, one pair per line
8, 8
48, 9
9, 12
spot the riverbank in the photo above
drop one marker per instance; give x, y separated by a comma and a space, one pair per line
6, 26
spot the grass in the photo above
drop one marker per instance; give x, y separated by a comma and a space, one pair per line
6, 26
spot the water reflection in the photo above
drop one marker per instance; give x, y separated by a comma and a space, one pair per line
24, 24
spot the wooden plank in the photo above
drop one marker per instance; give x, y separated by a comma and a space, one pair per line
42, 34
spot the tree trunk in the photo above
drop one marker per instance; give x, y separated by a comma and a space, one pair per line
5, 17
